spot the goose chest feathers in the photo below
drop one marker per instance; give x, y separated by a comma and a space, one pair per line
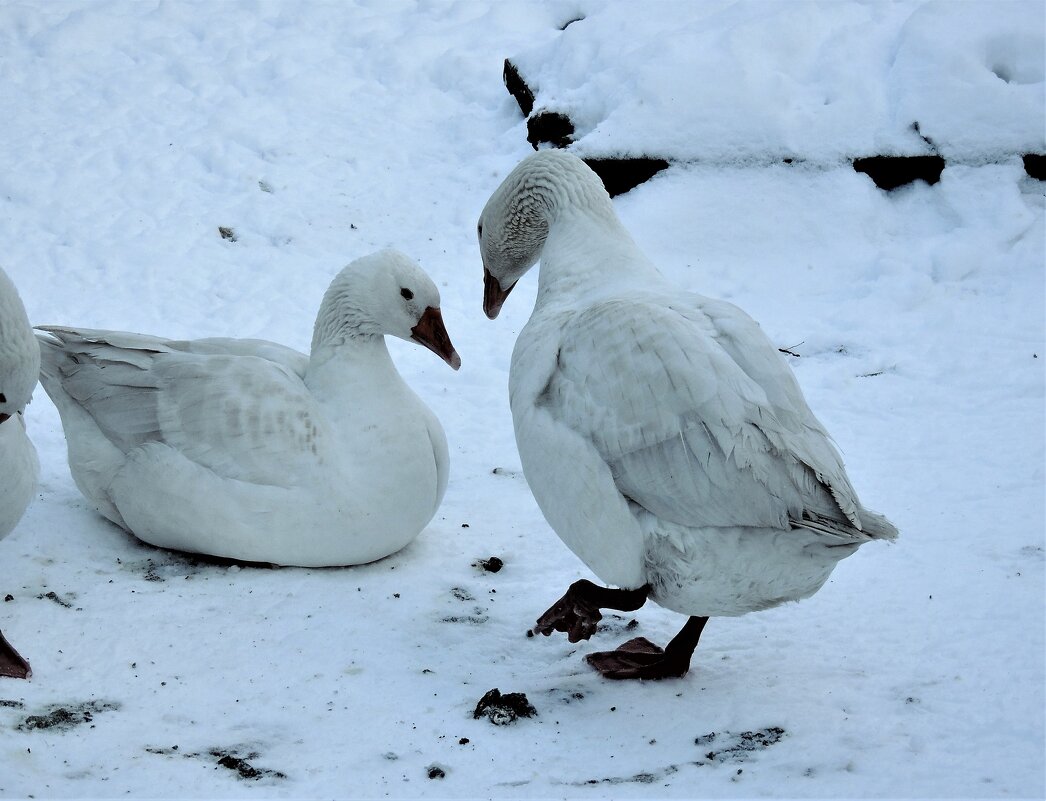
19, 366
663, 436
249, 450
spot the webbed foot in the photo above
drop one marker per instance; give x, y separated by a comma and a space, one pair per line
12, 665
577, 612
641, 659
637, 659
573, 614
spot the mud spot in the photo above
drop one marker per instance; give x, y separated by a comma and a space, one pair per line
566, 696
617, 624
731, 747
504, 709
58, 599
153, 749
491, 565
477, 618
228, 758
66, 717
474, 620
644, 777
151, 574
435, 772
243, 768
639, 778
462, 594
173, 565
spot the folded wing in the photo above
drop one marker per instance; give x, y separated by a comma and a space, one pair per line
698, 418
245, 416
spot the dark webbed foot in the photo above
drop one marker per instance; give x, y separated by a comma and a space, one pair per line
574, 614
635, 659
577, 612
641, 659
11, 663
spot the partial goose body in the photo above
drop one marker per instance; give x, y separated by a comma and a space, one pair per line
19, 366
665, 439
248, 450
19, 474
700, 485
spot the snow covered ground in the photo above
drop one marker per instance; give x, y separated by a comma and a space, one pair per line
318, 132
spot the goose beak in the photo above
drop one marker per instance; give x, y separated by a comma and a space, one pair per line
431, 333
493, 295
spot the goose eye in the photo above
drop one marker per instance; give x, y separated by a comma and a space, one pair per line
479, 230
406, 293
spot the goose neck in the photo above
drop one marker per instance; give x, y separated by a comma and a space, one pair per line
351, 361
588, 248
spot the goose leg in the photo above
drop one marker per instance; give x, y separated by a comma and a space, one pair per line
577, 612
641, 659
11, 663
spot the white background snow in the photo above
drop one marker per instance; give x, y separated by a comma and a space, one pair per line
322, 131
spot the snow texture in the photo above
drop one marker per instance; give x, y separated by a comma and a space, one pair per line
314, 133
809, 79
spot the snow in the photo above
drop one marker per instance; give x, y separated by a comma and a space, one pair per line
320, 132
812, 79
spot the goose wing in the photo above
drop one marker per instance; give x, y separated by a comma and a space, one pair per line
243, 416
696, 416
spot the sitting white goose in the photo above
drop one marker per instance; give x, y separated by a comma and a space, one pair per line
19, 366
249, 450
664, 438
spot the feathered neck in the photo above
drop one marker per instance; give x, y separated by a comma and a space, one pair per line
556, 182
344, 316
586, 248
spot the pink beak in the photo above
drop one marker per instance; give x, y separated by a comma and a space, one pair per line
493, 295
431, 333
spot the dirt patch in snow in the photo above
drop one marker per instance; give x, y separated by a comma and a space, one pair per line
235, 758
729, 748
736, 747
502, 709
58, 599
63, 717
491, 565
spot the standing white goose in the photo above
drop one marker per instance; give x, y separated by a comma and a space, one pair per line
19, 366
248, 450
662, 435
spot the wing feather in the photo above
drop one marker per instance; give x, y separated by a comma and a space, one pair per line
244, 417
698, 418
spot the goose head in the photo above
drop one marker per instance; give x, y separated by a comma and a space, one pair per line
385, 293
515, 223
19, 352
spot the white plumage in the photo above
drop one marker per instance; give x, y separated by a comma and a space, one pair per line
249, 450
664, 438
19, 366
